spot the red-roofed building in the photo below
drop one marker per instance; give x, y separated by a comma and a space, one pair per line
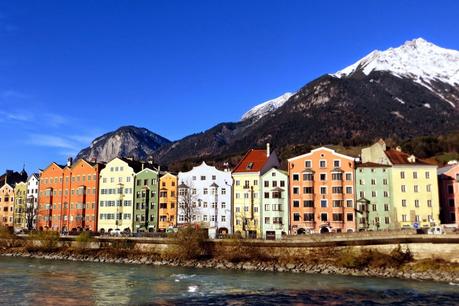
247, 190
448, 179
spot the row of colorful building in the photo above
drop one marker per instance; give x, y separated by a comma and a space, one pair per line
321, 191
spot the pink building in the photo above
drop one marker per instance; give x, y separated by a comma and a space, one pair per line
448, 185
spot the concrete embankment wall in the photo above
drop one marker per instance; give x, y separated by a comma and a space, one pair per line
421, 246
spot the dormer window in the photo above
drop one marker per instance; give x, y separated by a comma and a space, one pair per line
250, 166
411, 159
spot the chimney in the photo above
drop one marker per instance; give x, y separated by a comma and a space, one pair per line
143, 165
69, 162
268, 150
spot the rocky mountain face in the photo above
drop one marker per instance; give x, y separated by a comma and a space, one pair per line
127, 141
400, 93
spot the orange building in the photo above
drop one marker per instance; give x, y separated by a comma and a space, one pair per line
167, 202
6, 205
68, 196
321, 192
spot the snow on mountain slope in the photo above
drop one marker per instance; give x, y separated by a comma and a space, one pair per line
264, 108
418, 59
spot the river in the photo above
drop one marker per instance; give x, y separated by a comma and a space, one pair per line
44, 282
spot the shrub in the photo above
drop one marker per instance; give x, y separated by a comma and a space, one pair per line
49, 241
84, 239
191, 243
7, 236
352, 259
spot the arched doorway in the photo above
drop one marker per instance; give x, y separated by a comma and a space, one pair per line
301, 231
325, 230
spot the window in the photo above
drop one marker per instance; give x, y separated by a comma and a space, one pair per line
337, 217
349, 203
205, 191
266, 184
308, 177
373, 194
323, 190
427, 174
386, 207
308, 190
386, 220
450, 202
349, 189
323, 203
308, 164
296, 190
296, 217
404, 218
403, 203
267, 206
416, 188
361, 182
337, 176
450, 189
296, 177
323, 164
296, 203
402, 174
348, 176
214, 177
416, 203
373, 182
308, 217
336, 163
308, 203
403, 188
373, 206
384, 181
415, 175
203, 177
337, 203
350, 217
386, 194
428, 188
323, 176
266, 220
324, 217
337, 189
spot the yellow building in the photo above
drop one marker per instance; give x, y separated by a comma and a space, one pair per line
167, 202
116, 195
6, 205
414, 186
20, 205
247, 191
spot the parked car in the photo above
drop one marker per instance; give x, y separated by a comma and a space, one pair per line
436, 230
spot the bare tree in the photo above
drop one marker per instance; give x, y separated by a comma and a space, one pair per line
30, 213
187, 198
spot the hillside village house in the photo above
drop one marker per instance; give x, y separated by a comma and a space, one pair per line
414, 186
32, 200
20, 205
6, 205
204, 198
448, 180
321, 192
274, 211
68, 196
374, 205
146, 200
167, 202
247, 190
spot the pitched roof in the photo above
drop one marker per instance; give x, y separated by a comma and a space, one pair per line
401, 158
372, 165
253, 161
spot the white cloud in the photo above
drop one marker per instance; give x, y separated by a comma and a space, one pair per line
51, 141
55, 120
16, 116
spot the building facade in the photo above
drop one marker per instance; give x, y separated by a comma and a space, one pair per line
167, 210
204, 198
448, 184
247, 189
322, 195
20, 206
68, 196
32, 200
146, 200
374, 205
274, 209
6, 205
116, 195
414, 186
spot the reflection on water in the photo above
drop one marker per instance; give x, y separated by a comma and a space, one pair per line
45, 282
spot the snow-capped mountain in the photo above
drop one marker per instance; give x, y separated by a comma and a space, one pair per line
264, 108
418, 59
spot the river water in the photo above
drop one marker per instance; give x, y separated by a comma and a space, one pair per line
45, 282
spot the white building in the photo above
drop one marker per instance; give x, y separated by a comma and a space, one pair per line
204, 198
32, 200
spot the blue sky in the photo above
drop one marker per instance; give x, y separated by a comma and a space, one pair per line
73, 70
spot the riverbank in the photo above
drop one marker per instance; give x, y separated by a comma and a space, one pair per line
434, 269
